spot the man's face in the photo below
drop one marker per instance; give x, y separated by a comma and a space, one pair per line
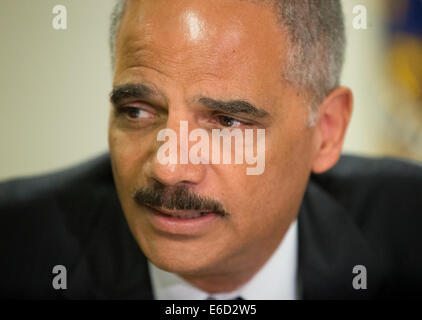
178, 52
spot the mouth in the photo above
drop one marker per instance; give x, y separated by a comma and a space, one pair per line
182, 214
182, 222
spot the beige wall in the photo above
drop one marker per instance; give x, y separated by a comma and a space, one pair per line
362, 71
54, 84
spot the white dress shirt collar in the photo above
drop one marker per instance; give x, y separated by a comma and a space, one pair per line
276, 280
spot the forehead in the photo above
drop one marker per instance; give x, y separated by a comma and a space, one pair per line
194, 39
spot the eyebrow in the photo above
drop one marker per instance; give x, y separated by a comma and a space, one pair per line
234, 107
142, 91
138, 91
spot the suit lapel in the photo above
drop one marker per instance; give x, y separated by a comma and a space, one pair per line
330, 245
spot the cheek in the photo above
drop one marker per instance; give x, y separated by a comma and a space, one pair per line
256, 203
289, 147
275, 196
288, 167
121, 154
128, 152
264, 205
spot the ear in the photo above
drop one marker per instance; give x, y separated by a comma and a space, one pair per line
333, 118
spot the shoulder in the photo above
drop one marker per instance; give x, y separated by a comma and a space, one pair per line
382, 195
35, 201
384, 167
383, 198
95, 172
363, 182
45, 221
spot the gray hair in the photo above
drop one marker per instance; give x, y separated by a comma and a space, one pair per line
315, 30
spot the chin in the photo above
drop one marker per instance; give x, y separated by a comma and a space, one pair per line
181, 266
179, 257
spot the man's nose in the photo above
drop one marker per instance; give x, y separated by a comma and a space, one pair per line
181, 172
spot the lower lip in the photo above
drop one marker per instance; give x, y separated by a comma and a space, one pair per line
180, 226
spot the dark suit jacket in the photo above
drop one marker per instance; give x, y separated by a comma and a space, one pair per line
362, 212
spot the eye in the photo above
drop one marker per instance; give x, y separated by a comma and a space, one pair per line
229, 122
134, 113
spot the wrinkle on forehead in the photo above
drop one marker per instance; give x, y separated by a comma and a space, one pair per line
196, 40
189, 23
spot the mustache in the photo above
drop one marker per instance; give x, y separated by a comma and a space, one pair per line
176, 198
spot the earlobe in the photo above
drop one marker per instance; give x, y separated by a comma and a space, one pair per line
334, 117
